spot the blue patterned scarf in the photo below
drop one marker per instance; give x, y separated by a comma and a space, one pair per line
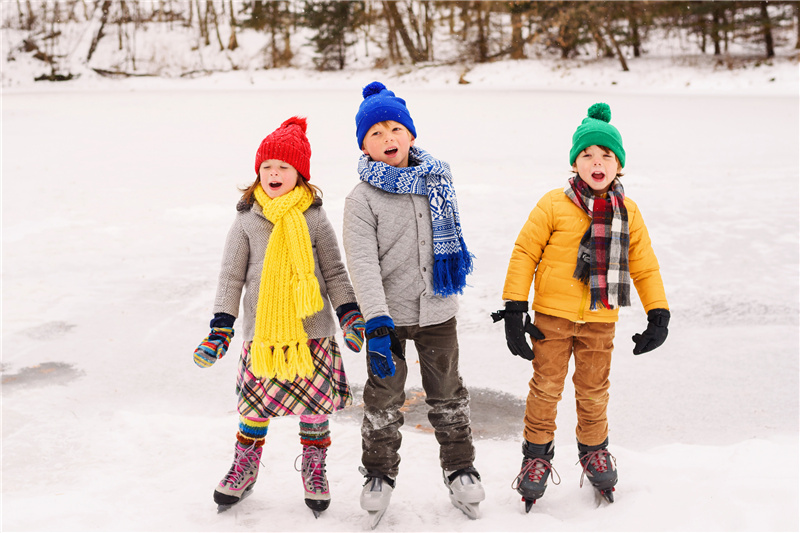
429, 176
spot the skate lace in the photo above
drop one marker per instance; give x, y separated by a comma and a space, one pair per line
597, 461
242, 461
312, 468
535, 469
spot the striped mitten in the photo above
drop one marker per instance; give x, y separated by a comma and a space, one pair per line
213, 347
352, 324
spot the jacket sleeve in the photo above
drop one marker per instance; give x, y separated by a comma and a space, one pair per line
360, 238
339, 289
233, 272
528, 250
643, 265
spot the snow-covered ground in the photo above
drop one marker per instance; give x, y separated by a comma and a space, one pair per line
116, 199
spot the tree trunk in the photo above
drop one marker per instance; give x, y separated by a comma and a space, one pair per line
483, 47
716, 20
766, 25
620, 55
233, 44
517, 43
636, 39
210, 8
99, 35
399, 25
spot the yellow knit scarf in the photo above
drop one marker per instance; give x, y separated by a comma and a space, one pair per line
289, 290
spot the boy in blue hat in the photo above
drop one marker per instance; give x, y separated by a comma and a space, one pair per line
408, 262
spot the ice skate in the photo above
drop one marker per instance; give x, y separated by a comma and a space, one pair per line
375, 495
466, 491
599, 467
239, 481
315, 480
533, 476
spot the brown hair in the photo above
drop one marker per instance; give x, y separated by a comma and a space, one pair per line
247, 192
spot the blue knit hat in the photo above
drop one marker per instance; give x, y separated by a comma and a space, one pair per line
381, 104
596, 130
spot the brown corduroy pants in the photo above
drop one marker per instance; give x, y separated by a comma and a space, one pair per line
592, 344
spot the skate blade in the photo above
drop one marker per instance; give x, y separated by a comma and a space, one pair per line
604, 496
221, 508
528, 504
472, 510
316, 513
375, 517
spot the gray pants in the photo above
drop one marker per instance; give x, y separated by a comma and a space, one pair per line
446, 395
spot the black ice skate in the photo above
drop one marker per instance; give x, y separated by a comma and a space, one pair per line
531, 481
599, 466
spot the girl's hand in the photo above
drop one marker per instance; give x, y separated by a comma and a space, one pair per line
352, 324
213, 347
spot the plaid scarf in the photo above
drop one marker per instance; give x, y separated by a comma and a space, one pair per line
429, 176
603, 252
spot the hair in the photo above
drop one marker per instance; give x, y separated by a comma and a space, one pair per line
385, 124
608, 150
247, 192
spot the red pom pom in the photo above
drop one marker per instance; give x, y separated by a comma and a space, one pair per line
296, 121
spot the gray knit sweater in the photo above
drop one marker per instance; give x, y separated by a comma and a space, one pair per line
243, 260
388, 241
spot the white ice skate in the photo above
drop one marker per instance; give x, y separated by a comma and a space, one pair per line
466, 491
376, 495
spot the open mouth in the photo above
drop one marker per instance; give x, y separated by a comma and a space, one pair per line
599, 176
390, 151
275, 185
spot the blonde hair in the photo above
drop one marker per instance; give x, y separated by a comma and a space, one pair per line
385, 124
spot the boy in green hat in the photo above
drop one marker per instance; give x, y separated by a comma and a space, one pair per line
581, 247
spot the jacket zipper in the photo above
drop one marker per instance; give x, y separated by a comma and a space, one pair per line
583, 304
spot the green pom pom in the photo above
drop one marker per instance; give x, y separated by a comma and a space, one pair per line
600, 111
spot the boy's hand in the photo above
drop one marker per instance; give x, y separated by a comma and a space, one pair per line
382, 344
516, 328
655, 334
352, 324
213, 347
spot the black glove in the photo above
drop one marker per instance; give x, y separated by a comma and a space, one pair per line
516, 328
655, 334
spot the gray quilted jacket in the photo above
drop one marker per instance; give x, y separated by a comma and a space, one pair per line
388, 241
243, 260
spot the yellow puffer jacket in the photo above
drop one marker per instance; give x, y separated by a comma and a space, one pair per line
548, 245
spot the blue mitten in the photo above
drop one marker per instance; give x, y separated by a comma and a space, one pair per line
382, 343
213, 347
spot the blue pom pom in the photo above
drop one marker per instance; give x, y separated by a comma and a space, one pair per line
373, 88
600, 111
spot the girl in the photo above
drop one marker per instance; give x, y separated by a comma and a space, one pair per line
283, 251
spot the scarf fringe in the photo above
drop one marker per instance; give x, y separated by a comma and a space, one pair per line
450, 273
308, 299
286, 363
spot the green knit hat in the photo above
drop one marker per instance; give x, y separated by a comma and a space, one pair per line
596, 130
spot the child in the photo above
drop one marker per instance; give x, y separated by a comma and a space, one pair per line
408, 261
584, 243
283, 251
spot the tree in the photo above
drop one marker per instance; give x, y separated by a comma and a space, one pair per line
334, 23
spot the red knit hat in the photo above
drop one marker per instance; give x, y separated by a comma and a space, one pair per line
287, 143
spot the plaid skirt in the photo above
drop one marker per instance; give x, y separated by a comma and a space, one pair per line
327, 391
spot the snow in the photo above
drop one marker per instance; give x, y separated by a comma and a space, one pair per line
117, 195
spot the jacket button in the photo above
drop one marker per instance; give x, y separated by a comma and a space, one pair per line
424, 269
422, 243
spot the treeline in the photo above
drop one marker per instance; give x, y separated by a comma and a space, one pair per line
406, 31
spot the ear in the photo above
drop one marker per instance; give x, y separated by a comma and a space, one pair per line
365, 151
574, 167
412, 139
